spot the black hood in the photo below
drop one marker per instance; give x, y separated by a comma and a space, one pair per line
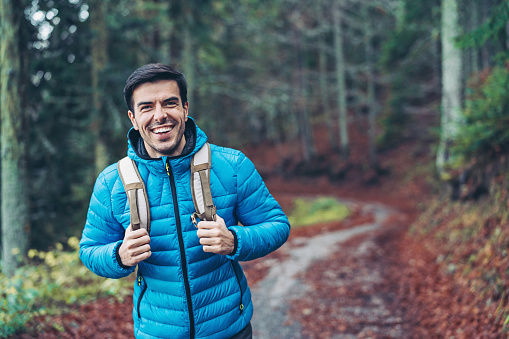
138, 145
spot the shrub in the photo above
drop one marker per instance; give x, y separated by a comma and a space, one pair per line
54, 280
485, 133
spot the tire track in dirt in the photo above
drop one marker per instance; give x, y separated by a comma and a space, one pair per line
274, 294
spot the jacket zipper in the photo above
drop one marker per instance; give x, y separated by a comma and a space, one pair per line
181, 247
141, 295
241, 306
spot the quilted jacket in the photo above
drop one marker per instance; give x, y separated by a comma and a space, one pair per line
182, 291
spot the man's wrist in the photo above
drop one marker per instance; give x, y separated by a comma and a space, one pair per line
235, 242
117, 255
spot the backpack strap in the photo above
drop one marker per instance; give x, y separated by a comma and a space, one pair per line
200, 186
136, 193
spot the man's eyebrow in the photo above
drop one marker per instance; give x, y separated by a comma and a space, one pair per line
141, 103
171, 99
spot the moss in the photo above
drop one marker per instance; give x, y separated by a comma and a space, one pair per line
319, 210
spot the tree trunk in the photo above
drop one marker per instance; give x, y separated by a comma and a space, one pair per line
15, 200
400, 14
451, 86
340, 76
372, 105
323, 81
474, 23
306, 129
99, 51
187, 59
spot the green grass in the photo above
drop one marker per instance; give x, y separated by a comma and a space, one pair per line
310, 211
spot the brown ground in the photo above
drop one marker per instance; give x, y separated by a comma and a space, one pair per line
421, 300
424, 302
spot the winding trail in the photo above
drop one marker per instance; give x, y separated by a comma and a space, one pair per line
284, 283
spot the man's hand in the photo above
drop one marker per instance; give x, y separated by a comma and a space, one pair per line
215, 236
135, 247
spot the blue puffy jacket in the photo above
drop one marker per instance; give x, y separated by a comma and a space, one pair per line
182, 291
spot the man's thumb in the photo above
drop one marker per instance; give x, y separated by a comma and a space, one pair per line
219, 219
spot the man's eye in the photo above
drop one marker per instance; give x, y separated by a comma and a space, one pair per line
144, 108
171, 104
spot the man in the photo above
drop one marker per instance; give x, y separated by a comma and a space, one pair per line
189, 283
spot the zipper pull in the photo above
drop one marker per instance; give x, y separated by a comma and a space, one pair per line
139, 280
168, 168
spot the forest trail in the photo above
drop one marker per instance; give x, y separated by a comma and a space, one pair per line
286, 285
327, 281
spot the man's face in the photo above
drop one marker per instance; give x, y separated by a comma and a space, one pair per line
160, 117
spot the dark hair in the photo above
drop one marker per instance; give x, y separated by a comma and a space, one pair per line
152, 73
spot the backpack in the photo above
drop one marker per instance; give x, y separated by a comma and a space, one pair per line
200, 189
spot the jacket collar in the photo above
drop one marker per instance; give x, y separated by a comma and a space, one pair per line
195, 139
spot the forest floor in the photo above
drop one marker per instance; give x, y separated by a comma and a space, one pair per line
363, 277
333, 280
366, 276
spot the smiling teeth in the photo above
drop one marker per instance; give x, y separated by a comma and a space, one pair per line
161, 130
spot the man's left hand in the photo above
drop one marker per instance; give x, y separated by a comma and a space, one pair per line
216, 237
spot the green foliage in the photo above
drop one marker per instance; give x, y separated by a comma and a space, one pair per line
407, 58
486, 113
494, 28
394, 119
54, 279
313, 211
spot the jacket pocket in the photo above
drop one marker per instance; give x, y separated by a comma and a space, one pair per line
140, 281
238, 275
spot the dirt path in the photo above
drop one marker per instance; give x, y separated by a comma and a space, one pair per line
287, 297
325, 282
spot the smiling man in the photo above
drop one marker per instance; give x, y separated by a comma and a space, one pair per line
189, 282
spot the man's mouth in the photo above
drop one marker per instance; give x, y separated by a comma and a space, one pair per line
161, 130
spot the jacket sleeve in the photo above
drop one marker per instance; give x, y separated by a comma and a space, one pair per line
102, 235
265, 226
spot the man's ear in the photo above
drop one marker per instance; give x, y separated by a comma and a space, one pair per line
186, 110
133, 120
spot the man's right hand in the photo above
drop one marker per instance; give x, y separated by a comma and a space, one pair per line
135, 248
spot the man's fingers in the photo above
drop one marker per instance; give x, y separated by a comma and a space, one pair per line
144, 256
209, 241
138, 234
140, 250
211, 249
208, 233
211, 224
204, 225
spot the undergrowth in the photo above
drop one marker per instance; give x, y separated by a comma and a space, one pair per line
471, 239
314, 211
49, 284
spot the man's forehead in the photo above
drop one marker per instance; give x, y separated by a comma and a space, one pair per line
159, 89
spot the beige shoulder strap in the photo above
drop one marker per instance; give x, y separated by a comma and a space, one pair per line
136, 193
200, 185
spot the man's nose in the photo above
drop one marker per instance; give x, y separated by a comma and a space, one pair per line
159, 114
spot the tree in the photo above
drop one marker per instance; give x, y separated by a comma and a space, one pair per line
15, 206
323, 74
371, 85
451, 87
99, 53
340, 77
301, 84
